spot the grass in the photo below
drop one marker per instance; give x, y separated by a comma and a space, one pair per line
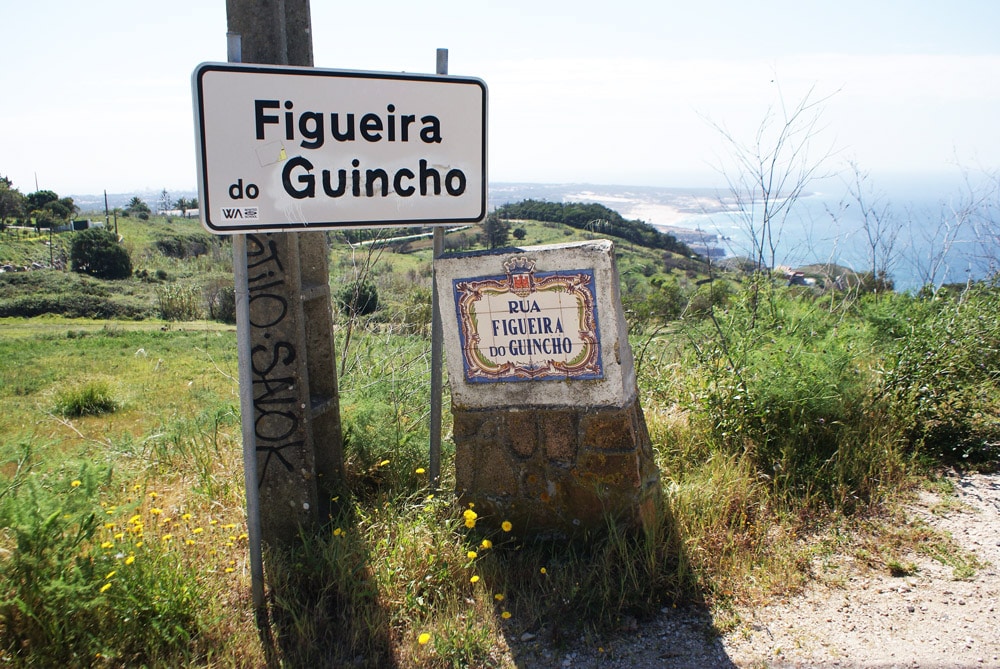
778, 439
90, 398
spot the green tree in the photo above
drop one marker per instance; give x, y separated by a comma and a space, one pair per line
184, 204
63, 209
11, 201
496, 230
39, 199
97, 252
520, 233
44, 218
136, 207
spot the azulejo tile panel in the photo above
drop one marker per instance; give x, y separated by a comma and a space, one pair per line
528, 326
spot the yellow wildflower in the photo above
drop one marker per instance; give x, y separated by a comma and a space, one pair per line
487, 543
423, 638
107, 544
130, 559
156, 511
505, 615
197, 530
104, 588
474, 579
506, 526
498, 596
420, 470
471, 555
76, 483
110, 574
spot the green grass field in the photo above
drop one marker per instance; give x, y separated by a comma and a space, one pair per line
786, 423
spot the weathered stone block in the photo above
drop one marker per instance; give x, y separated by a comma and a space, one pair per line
559, 435
522, 429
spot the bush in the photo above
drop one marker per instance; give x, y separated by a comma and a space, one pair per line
67, 598
942, 370
359, 298
781, 380
96, 252
178, 303
221, 299
91, 398
74, 305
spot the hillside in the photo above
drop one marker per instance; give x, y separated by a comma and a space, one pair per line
177, 254
788, 424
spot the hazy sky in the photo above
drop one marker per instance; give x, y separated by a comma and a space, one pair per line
97, 95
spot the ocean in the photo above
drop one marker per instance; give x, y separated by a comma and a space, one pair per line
939, 237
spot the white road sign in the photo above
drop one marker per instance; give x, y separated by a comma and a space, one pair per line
289, 148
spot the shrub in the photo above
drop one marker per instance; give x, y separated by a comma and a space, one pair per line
942, 370
359, 298
221, 299
96, 252
90, 398
67, 598
74, 305
178, 303
782, 381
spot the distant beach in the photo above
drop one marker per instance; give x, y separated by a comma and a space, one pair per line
820, 230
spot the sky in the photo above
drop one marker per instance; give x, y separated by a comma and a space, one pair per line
96, 96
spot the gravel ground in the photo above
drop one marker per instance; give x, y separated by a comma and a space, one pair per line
862, 618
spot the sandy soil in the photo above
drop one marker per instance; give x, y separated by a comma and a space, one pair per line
861, 618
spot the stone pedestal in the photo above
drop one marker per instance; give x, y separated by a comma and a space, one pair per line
549, 433
553, 472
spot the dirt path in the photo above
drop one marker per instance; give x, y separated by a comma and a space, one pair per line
860, 619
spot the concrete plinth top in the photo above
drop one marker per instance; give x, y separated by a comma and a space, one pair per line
535, 326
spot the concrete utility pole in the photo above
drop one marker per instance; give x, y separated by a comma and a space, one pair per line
296, 404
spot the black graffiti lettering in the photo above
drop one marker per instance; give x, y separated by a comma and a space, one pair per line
276, 452
276, 357
269, 430
272, 388
273, 284
278, 305
256, 248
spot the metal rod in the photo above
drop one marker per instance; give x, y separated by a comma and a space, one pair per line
243, 347
437, 337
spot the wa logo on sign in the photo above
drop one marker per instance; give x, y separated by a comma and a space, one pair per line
239, 213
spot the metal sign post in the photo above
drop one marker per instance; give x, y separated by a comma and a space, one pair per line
437, 339
243, 347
